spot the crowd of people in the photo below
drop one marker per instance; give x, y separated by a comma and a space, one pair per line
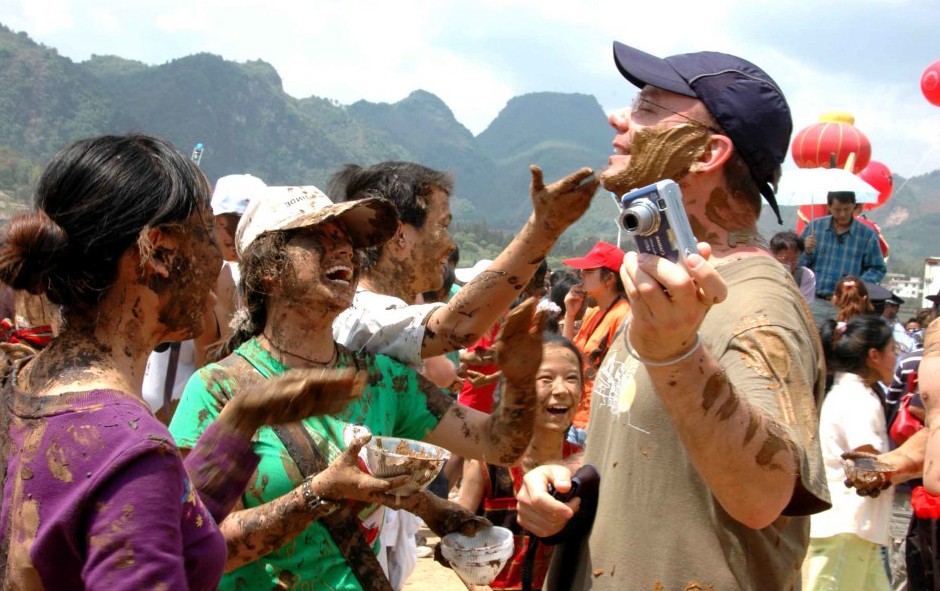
191, 374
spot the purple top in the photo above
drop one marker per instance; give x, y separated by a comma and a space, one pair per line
96, 496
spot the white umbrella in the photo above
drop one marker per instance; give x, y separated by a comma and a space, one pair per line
808, 186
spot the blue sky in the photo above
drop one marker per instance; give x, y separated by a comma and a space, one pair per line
864, 57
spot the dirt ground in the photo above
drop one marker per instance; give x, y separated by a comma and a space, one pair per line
431, 576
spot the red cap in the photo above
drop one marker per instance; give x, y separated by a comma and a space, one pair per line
603, 255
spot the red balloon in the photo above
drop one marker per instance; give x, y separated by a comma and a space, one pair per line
878, 176
812, 146
930, 83
807, 213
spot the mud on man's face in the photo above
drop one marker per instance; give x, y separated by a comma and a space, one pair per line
324, 270
431, 245
657, 138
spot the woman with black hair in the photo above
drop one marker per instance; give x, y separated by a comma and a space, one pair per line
95, 494
846, 541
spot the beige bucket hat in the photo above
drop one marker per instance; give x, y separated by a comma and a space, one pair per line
369, 222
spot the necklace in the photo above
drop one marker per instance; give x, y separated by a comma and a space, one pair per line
284, 351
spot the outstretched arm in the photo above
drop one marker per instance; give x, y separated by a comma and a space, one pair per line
501, 437
480, 303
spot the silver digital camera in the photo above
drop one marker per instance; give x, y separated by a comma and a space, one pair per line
654, 216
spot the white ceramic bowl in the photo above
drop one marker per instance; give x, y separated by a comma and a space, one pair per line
393, 456
479, 559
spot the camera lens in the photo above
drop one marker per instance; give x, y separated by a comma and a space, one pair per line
630, 221
640, 218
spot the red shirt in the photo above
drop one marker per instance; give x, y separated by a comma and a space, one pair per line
481, 398
501, 485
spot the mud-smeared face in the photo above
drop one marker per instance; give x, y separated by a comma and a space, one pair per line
658, 138
194, 268
432, 244
225, 228
323, 270
557, 387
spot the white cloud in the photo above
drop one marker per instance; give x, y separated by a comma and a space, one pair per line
106, 19
37, 17
477, 54
187, 17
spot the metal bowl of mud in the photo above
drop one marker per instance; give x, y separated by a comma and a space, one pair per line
478, 559
392, 456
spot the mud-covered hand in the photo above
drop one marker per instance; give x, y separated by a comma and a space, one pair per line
293, 396
560, 204
669, 301
490, 355
344, 479
478, 380
867, 483
441, 516
519, 344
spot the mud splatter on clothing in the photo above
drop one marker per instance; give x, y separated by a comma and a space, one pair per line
392, 404
657, 521
97, 496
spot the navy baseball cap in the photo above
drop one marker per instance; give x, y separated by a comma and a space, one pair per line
742, 98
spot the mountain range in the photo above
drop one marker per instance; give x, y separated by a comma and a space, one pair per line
248, 124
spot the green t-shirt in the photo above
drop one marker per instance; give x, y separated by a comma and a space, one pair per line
391, 404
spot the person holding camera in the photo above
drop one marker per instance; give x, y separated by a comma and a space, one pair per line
703, 414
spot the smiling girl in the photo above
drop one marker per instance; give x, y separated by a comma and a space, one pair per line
491, 490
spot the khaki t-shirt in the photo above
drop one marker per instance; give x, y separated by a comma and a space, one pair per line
658, 528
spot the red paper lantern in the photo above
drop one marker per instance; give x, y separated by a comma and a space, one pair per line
834, 134
878, 176
930, 83
807, 213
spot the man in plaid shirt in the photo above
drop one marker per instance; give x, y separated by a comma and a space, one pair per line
839, 245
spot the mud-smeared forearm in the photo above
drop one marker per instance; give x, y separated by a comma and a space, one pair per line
497, 438
441, 516
480, 303
220, 466
253, 533
744, 456
509, 428
908, 459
